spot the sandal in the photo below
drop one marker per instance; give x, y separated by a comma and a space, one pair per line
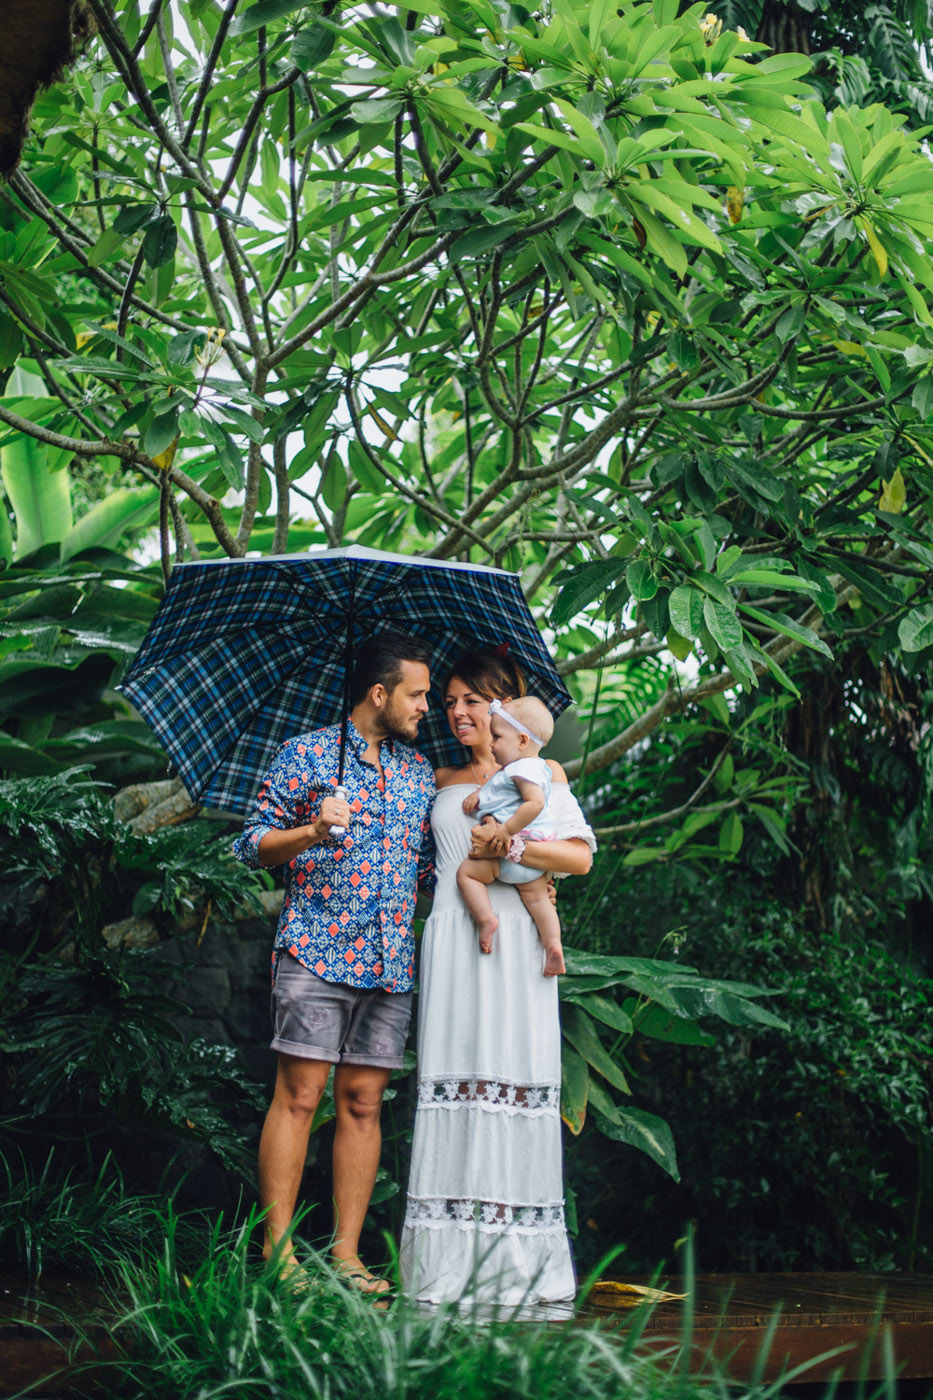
359, 1278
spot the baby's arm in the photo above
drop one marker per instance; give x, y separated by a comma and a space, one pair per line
471, 802
532, 795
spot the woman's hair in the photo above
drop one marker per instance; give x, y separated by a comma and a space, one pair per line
485, 671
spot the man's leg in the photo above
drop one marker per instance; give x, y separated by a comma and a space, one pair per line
358, 1091
283, 1146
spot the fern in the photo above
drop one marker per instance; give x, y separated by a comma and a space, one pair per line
740, 13
891, 46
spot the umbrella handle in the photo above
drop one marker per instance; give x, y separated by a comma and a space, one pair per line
339, 832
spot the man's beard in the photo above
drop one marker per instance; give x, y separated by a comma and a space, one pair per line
393, 726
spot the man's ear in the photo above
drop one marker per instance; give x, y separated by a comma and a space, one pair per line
378, 695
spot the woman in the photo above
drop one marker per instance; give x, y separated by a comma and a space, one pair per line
485, 1213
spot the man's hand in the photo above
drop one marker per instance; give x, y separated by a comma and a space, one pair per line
471, 802
335, 811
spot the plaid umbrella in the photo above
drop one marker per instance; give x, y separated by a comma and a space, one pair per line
246, 653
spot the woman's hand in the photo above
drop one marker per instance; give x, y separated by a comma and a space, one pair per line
485, 842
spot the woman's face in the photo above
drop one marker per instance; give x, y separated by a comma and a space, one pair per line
467, 713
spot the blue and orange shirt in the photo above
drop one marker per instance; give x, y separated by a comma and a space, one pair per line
348, 908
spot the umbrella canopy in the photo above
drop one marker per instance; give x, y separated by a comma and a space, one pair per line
244, 654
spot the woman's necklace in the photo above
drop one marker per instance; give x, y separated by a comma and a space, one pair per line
476, 776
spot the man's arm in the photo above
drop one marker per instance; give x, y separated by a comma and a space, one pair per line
277, 829
278, 847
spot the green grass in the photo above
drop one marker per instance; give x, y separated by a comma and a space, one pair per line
195, 1315
230, 1326
66, 1220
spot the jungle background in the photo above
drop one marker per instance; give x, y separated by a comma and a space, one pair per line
631, 298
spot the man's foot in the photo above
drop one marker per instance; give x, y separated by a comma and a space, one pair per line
486, 931
356, 1275
292, 1273
554, 961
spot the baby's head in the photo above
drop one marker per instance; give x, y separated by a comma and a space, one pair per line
520, 728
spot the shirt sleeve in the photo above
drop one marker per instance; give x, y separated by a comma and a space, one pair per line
427, 855
531, 770
281, 803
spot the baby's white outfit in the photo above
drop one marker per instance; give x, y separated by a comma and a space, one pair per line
500, 798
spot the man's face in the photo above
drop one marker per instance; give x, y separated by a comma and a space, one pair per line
406, 703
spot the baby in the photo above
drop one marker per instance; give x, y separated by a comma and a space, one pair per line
515, 800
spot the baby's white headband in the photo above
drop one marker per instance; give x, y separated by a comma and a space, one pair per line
496, 707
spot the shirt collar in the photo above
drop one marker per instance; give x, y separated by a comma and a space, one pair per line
358, 744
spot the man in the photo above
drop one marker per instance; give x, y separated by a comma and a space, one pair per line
343, 965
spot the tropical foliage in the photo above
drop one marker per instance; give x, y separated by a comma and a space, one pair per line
600, 291
614, 295
861, 53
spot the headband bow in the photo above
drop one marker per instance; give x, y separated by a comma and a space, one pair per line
496, 707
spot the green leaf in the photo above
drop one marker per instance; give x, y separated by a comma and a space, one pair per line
39, 493
603, 1008
160, 241
311, 46
107, 522
731, 835
574, 1087
585, 584
586, 132
376, 109
263, 13
641, 580
686, 609
658, 1024
333, 480
780, 622
915, 631
579, 1029
644, 855
133, 217
645, 1131
724, 627
871, 583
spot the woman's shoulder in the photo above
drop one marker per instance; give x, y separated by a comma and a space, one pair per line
557, 773
446, 777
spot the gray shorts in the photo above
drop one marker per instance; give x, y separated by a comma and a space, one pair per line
318, 1020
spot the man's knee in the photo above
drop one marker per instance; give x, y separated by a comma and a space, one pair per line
299, 1087
359, 1100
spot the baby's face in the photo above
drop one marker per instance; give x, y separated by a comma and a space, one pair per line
508, 744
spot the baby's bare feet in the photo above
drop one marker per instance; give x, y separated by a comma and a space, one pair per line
486, 930
554, 961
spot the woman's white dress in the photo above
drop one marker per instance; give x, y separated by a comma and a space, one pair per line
485, 1211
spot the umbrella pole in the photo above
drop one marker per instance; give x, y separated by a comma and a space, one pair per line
339, 832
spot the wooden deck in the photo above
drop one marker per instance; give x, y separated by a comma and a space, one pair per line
847, 1314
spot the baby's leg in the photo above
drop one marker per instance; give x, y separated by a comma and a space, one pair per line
472, 879
538, 903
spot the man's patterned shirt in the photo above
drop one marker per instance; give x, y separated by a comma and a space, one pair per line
348, 909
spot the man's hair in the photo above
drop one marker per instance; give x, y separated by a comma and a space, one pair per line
534, 715
380, 662
488, 673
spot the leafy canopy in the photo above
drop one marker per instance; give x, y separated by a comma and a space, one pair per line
602, 294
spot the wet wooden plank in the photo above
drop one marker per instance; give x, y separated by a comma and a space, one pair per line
819, 1313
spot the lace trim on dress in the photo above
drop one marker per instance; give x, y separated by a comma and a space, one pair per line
492, 1217
529, 1099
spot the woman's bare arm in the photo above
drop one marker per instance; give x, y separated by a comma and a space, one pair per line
570, 857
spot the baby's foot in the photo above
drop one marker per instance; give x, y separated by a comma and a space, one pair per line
486, 930
554, 961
